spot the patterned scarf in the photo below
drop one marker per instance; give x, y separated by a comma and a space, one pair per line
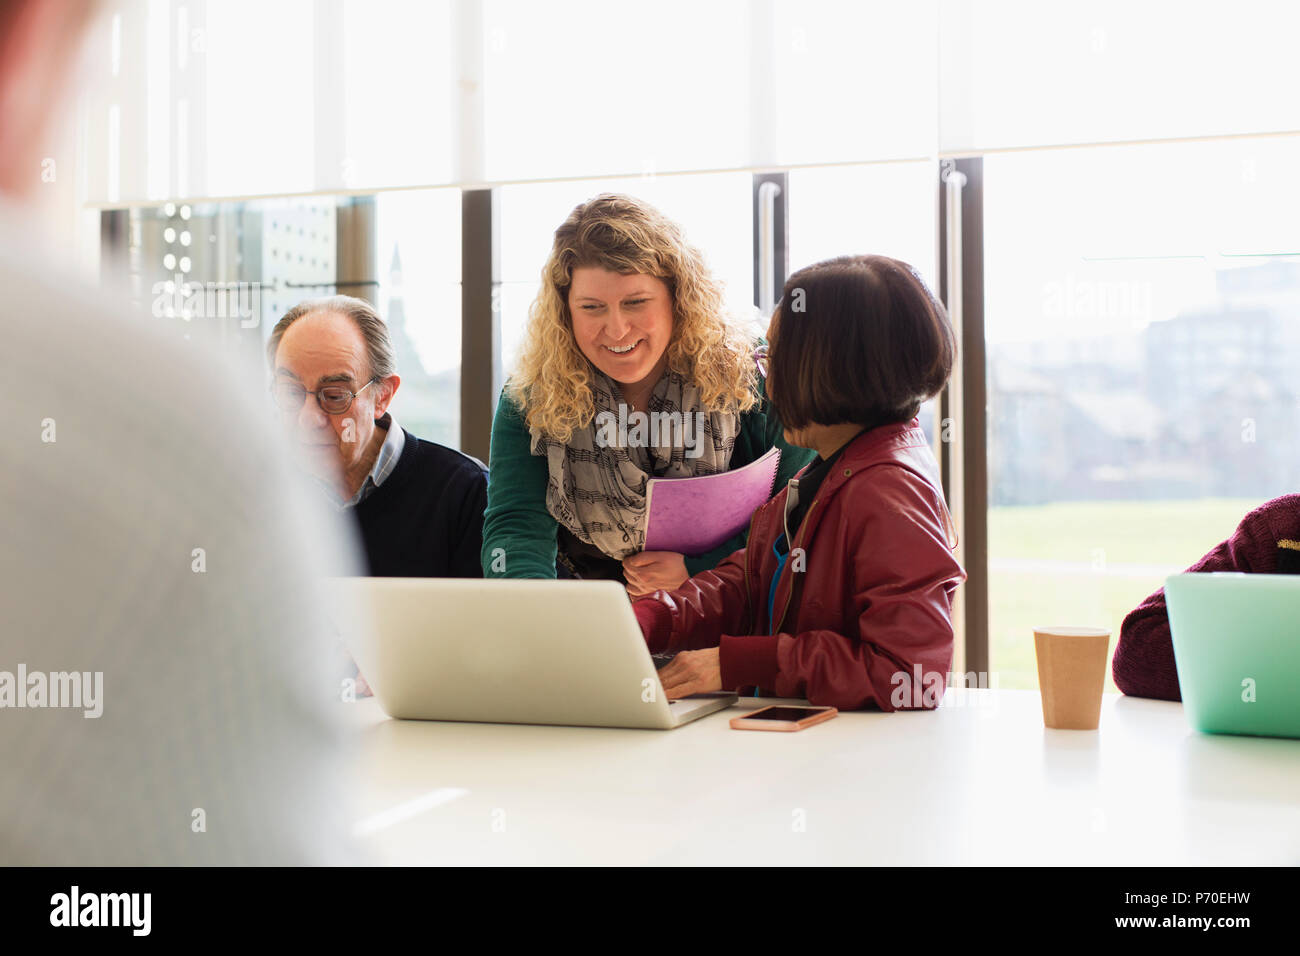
596, 488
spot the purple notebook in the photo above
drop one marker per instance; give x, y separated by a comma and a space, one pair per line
695, 515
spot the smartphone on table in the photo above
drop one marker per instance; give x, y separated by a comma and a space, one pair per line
783, 717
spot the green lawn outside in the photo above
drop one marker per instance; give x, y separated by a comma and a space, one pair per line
1106, 534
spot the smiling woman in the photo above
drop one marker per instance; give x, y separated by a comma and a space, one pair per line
622, 324
629, 322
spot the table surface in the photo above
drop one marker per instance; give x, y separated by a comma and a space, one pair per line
978, 781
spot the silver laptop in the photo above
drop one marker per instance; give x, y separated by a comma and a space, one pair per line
519, 652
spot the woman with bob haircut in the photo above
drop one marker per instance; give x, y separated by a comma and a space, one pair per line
843, 593
629, 325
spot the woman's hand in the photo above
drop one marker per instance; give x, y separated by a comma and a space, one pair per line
692, 672
649, 571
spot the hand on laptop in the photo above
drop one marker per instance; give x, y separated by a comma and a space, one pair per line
650, 571
692, 672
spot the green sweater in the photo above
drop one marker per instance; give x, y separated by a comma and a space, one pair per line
516, 520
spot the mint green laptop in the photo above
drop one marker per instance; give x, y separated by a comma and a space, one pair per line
1237, 645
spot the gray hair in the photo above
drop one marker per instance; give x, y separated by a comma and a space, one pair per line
379, 346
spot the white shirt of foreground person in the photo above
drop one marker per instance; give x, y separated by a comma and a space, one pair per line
150, 531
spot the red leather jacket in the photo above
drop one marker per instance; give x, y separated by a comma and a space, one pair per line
868, 621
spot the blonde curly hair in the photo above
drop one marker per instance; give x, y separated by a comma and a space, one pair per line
551, 383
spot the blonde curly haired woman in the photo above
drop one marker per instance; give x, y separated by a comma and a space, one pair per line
628, 320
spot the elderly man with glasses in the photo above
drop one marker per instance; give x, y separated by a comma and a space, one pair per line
418, 504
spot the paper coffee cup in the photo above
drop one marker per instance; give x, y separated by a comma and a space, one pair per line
1071, 674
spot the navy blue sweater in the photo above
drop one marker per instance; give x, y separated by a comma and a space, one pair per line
426, 519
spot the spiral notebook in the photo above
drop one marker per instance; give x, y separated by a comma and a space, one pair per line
695, 515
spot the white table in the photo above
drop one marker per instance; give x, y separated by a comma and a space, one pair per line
978, 781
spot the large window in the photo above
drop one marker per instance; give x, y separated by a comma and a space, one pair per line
222, 275
884, 209
418, 265
1141, 302
1143, 330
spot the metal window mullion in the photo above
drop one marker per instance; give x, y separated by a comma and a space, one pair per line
953, 439
963, 415
480, 336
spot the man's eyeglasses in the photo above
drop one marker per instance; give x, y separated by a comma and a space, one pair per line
760, 359
332, 399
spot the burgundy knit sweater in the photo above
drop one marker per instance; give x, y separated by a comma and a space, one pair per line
1266, 542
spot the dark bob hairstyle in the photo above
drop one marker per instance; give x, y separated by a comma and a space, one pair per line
857, 340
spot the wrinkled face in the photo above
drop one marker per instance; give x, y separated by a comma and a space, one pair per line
622, 323
318, 350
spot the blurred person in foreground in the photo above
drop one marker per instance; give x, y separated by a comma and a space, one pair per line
166, 694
